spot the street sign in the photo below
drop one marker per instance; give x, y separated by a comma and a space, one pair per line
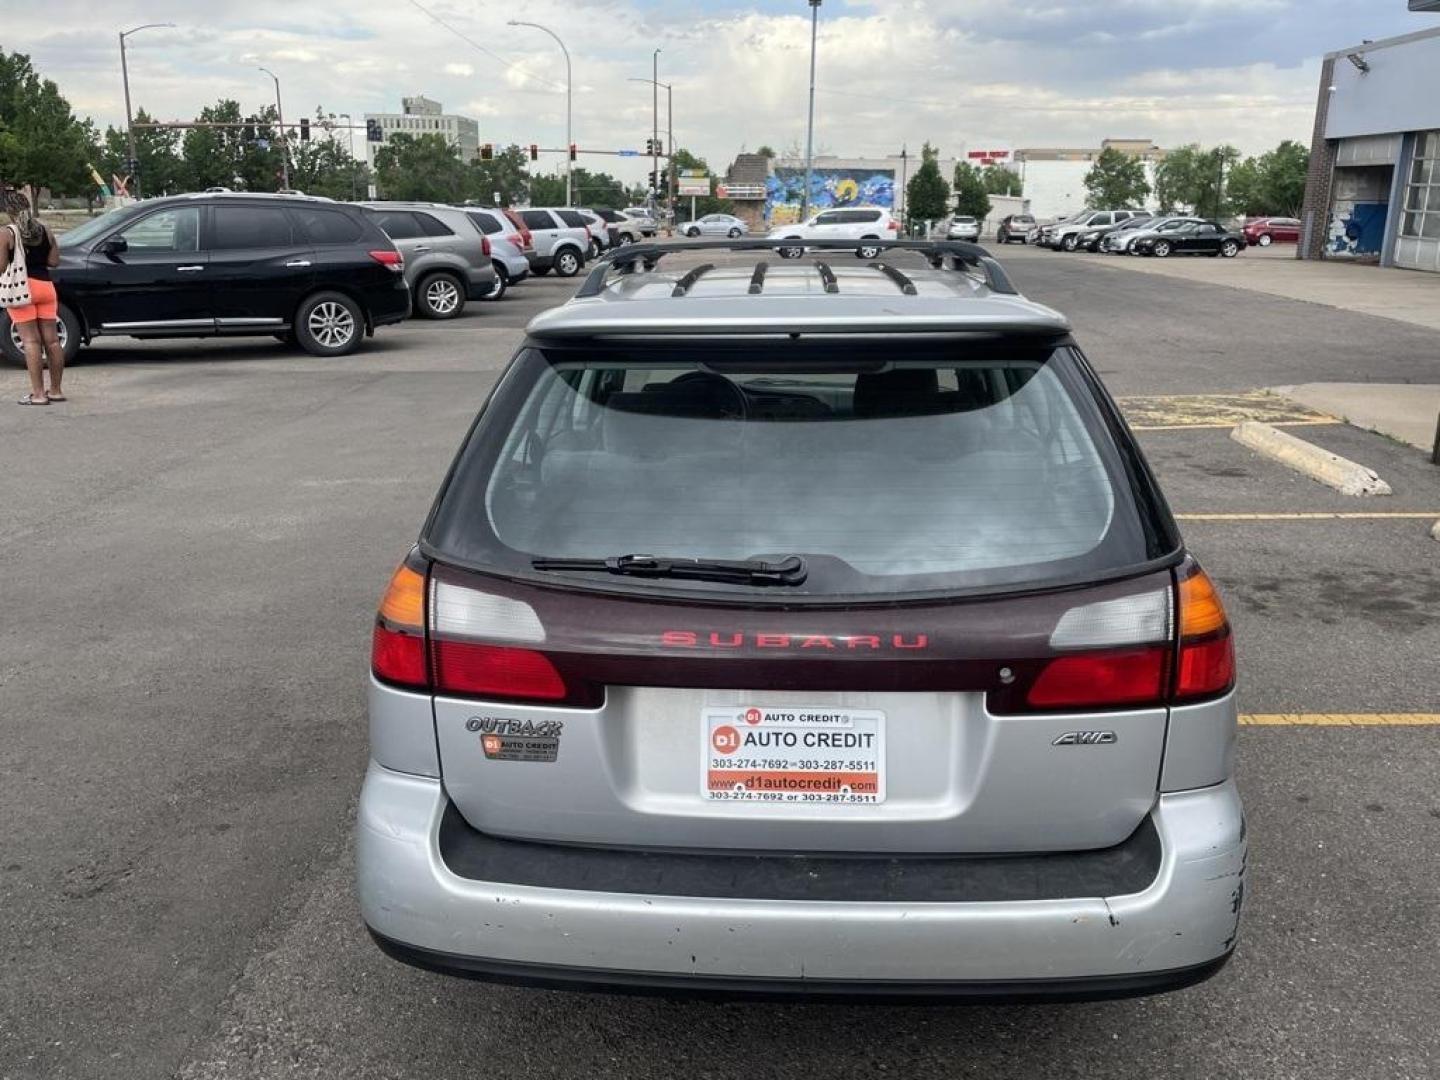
693, 185
629, 153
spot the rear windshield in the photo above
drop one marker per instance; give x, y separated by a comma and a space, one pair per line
960, 467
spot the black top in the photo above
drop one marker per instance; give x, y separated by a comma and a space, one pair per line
37, 257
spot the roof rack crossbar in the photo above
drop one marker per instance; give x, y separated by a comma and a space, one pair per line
687, 282
961, 254
757, 278
827, 277
906, 285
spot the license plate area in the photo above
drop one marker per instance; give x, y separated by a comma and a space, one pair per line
813, 755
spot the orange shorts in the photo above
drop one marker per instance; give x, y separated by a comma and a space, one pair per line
43, 304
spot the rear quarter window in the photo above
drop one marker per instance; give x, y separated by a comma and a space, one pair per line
931, 473
323, 225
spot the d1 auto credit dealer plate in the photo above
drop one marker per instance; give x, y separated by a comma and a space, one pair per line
824, 754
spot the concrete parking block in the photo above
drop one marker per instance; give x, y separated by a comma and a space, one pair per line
1342, 474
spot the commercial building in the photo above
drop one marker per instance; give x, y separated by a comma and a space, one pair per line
1373, 191
841, 181
1053, 178
421, 116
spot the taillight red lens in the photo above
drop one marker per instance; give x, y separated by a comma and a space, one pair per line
1207, 667
398, 658
893, 226
1101, 679
485, 246
463, 667
390, 259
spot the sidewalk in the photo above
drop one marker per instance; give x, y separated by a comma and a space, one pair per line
1410, 296
1404, 411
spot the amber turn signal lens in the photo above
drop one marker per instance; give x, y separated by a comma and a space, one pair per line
1201, 612
403, 605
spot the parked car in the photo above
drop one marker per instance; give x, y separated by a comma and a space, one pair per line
1191, 238
447, 261
715, 660
307, 270
621, 227
962, 227
598, 229
1272, 230
1121, 241
1092, 236
557, 244
645, 218
715, 225
1042, 232
1014, 227
1066, 236
509, 248
853, 223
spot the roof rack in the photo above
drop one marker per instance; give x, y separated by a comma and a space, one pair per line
961, 256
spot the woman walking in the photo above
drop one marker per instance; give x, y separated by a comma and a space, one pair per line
35, 322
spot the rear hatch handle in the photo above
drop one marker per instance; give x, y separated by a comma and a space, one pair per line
787, 571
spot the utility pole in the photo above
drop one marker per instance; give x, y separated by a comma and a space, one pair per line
284, 149
350, 150
904, 179
569, 103
670, 126
655, 125
810, 128
134, 162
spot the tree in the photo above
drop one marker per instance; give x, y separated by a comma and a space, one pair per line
1283, 172
927, 195
766, 151
1193, 179
971, 197
42, 143
1116, 180
504, 174
420, 167
162, 169
239, 155
325, 167
1245, 188
1001, 180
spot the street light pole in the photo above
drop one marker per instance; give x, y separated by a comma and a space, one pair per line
350, 150
569, 103
810, 129
655, 125
134, 161
670, 128
284, 146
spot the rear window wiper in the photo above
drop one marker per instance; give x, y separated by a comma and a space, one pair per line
787, 571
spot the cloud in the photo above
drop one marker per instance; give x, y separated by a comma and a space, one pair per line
891, 73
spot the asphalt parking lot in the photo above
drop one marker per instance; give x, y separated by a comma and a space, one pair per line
195, 544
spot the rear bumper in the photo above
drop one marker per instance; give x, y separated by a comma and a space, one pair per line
390, 305
1177, 929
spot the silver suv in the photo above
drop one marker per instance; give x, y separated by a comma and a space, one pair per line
447, 260
560, 244
811, 629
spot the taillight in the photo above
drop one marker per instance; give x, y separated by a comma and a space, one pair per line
390, 259
463, 667
397, 647
893, 225
1207, 652
485, 246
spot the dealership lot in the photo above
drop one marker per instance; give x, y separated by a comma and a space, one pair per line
205, 529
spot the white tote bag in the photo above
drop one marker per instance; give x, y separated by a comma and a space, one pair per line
15, 279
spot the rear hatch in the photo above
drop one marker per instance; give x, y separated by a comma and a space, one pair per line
924, 599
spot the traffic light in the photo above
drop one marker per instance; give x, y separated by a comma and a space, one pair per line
249, 130
304, 129
487, 152
572, 151
659, 146
534, 152
132, 166
649, 147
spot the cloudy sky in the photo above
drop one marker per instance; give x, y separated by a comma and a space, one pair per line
965, 74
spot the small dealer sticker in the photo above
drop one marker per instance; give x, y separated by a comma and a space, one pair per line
820, 754
503, 739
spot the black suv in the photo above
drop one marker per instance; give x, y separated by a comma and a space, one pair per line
302, 269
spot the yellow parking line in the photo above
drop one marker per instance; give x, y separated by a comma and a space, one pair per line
1340, 719
1344, 515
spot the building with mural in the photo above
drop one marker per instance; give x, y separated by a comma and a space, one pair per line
1373, 192
839, 182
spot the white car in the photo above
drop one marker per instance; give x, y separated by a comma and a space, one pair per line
963, 227
872, 223
715, 225
644, 217
1066, 236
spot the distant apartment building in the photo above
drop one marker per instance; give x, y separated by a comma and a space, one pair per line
1053, 178
421, 116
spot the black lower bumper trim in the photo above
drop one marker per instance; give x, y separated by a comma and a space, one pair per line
724, 987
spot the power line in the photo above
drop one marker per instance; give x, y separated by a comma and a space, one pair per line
514, 64
1175, 104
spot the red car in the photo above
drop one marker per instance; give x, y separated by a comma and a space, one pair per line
1272, 230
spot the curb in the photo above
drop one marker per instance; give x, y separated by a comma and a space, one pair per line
1329, 469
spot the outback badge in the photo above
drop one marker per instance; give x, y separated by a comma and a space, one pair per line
1086, 738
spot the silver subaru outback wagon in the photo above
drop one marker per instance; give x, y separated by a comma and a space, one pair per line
809, 629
